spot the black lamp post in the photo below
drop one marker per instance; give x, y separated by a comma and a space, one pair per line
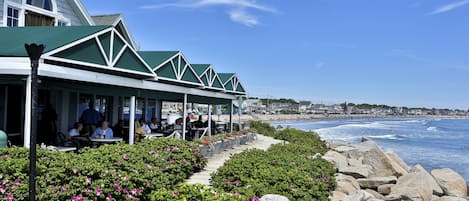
34, 52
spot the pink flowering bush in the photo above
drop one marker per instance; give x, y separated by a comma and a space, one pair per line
110, 172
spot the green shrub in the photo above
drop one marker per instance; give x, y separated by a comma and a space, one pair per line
195, 193
110, 172
257, 172
289, 170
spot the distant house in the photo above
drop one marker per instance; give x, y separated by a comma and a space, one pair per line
304, 106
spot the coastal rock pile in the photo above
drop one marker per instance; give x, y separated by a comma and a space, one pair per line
367, 173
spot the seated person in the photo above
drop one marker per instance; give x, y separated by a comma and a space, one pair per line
139, 132
178, 124
145, 126
75, 131
75, 134
199, 123
118, 129
154, 124
104, 130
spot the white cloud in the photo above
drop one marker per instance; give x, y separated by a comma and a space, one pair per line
238, 8
449, 7
240, 16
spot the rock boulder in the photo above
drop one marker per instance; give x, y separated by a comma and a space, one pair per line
394, 157
449, 198
339, 160
375, 182
385, 189
358, 196
452, 183
431, 183
373, 156
346, 184
412, 186
362, 171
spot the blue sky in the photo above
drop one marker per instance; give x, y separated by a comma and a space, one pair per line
396, 52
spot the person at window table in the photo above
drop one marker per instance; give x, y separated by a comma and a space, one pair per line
104, 130
178, 124
144, 125
118, 129
75, 131
154, 124
139, 132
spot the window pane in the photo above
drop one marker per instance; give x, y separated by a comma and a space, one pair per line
9, 22
15, 13
15, 23
10, 11
47, 5
29, 2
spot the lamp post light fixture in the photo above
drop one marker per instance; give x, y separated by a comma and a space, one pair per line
34, 53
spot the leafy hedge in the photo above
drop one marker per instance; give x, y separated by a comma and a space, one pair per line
194, 192
110, 172
288, 170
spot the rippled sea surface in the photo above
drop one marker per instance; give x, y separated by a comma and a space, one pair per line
433, 143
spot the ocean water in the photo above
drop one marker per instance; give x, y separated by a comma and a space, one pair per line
433, 143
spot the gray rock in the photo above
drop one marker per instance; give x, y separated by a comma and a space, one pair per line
394, 157
337, 196
271, 197
358, 196
449, 198
358, 172
336, 158
412, 186
410, 195
374, 193
355, 162
452, 183
385, 189
345, 148
375, 182
346, 184
431, 183
372, 155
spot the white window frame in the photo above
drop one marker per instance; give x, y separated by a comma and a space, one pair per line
42, 11
14, 5
63, 20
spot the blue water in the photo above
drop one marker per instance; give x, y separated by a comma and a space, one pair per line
433, 143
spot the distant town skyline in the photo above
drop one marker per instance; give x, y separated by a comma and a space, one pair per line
405, 53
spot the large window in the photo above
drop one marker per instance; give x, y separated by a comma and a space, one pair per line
12, 16
44, 4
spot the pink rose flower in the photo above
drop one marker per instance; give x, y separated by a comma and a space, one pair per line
88, 180
98, 192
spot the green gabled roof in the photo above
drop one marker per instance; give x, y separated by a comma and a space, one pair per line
12, 39
200, 68
156, 58
225, 76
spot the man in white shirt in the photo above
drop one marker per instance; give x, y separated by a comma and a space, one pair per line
154, 124
145, 126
